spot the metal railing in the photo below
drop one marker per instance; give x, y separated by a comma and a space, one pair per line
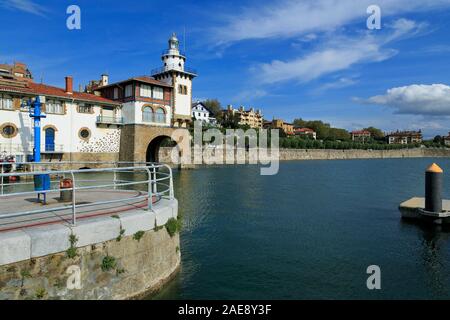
172, 67
109, 120
154, 117
157, 181
27, 148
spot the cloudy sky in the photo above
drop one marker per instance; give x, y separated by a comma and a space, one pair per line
314, 59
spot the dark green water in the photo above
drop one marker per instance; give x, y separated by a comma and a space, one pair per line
309, 232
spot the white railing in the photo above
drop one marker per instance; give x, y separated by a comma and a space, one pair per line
158, 184
27, 148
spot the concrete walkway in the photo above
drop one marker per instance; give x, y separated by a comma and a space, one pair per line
132, 200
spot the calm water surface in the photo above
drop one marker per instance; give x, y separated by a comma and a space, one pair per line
307, 233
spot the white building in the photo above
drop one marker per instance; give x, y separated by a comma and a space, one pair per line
201, 113
87, 126
176, 74
75, 122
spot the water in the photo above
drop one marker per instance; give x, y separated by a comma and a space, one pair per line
309, 232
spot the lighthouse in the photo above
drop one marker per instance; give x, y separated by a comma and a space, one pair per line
175, 73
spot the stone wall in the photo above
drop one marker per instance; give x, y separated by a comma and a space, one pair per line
121, 257
318, 154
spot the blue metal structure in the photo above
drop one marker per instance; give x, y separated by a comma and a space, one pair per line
36, 115
41, 181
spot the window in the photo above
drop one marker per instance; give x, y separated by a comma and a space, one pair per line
145, 91
8, 130
84, 134
85, 108
147, 114
182, 89
160, 115
116, 93
54, 106
158, 93
129, 90
6, 102
24, 104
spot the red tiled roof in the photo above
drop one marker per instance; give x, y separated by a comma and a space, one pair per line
360, 132
42, 89
303, 130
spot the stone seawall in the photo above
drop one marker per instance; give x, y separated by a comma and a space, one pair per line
312, 154
329, 154
120, 257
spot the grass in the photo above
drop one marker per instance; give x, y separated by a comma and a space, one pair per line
108, 263
173, 226
138, 235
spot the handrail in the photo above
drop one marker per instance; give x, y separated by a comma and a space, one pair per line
159, 185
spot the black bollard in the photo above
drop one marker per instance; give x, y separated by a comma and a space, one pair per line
433, 188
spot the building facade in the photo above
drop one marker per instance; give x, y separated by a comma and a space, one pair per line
405, 137
287, 128
98, 124
252, 118
305, 132
361, 135
447, 140
201, 113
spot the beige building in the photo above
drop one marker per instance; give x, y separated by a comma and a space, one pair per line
253, 118
405, 137
288, 128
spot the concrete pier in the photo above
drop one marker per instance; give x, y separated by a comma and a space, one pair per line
414, 208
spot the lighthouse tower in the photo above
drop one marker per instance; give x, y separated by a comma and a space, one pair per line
175, 73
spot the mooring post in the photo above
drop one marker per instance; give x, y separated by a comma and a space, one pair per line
433, 188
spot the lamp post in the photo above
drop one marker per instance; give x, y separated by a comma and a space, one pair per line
41, 181
36, 115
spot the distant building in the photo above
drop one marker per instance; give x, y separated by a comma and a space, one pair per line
253, 118
405, 137
201, 113
447, 140
288, 128
360, 135
305, 132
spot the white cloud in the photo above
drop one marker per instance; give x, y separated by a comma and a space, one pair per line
291, 18
340, 83
416, 99
249, 95
28, 6
338, 54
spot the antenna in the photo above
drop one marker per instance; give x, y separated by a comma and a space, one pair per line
184, 39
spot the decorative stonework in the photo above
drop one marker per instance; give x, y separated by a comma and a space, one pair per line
5, 134
110, 142
84, 134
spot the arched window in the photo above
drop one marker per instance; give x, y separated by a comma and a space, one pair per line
147, 114
49, 139
160, 115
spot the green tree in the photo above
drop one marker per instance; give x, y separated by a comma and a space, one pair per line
376, 133
213, 105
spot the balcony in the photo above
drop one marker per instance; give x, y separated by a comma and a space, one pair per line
167, 51
109, 120
149, 118
173, 67
27, 148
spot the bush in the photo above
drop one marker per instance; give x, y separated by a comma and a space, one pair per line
172, 226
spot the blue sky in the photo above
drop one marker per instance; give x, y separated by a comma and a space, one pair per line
309, 59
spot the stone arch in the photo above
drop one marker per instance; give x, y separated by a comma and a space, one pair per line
153, 148
141, 143
50, 126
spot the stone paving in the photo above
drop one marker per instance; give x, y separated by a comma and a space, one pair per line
85, 207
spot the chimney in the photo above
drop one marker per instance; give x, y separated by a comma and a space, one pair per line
69, 85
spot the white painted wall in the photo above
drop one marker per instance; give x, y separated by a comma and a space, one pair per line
102, 139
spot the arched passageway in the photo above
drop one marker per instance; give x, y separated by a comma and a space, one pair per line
154, 147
